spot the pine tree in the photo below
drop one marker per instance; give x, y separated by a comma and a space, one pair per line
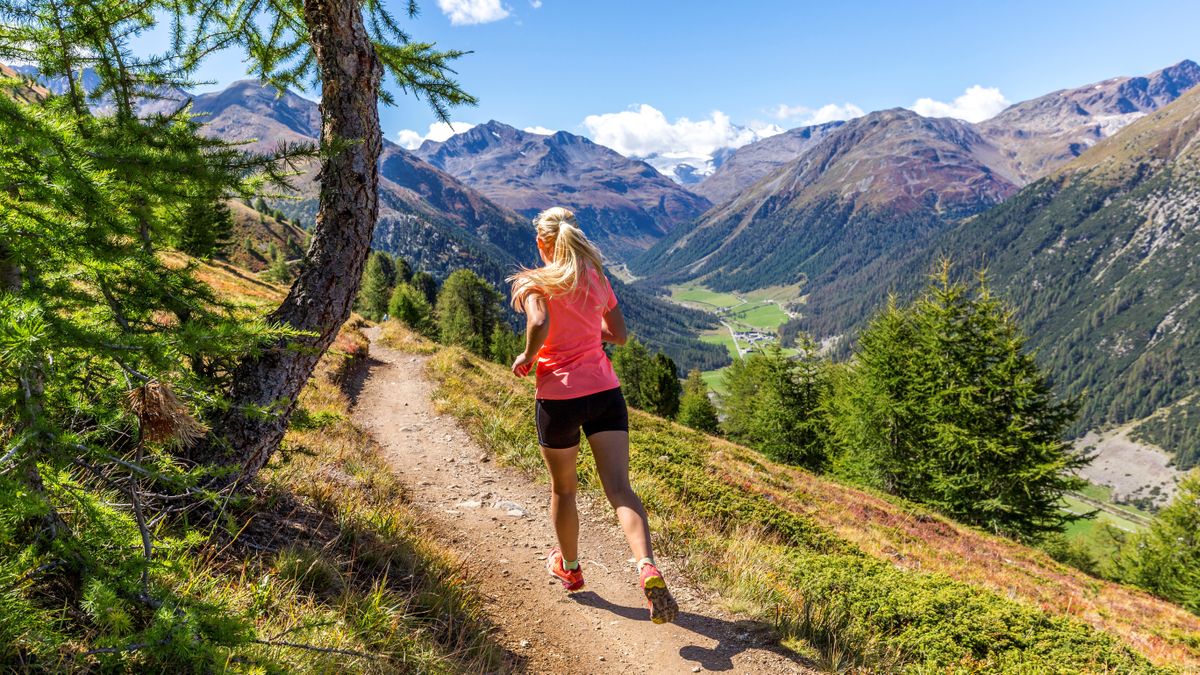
1166, 559
948, 409
206, 228
379, 277
696, 409
505, 344
423, 281
404, 273
662, 386
279, 271
775, 405
408, 306
468, 309
632, 364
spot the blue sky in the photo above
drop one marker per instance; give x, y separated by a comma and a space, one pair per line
553, 63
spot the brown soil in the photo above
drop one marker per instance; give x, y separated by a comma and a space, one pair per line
606, 628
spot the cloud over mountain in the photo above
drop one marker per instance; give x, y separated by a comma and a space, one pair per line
804, 116
976, 104
438, 131
643, 130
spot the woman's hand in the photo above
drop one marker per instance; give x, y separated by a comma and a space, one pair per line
522, 365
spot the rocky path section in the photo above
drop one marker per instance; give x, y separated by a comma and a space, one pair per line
497, 519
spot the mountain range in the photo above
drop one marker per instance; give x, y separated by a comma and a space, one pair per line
624, 204
881, 182
1083, 205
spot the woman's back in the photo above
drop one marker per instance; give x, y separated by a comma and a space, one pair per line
572, 361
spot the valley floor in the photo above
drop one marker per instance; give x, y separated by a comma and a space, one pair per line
496, 518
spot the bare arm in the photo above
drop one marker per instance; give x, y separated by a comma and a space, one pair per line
612, 327
537, 327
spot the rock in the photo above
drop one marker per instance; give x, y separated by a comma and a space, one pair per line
507, 505
695, 669
470, 504
524, 644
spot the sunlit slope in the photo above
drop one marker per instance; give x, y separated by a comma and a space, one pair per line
886, 584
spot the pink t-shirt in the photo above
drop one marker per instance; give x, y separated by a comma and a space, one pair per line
572, 362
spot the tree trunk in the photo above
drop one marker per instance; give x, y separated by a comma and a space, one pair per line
320, 300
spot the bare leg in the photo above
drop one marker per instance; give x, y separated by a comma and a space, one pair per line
563, 483
611, 450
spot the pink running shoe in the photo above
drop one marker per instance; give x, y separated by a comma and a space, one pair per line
572, 580
663, 608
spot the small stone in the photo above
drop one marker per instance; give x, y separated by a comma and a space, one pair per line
695, 669
524, 644
504, 561
602, 658
506, 505
484, 458
516, 513
470, 504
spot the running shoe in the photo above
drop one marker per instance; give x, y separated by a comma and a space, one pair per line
572, 580
663, 608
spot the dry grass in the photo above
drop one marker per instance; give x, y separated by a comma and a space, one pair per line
906, 537
915, 538
332, 555
396, 336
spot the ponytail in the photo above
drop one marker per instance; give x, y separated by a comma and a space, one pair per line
571, 255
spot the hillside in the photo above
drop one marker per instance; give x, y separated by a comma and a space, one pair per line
624, 204
1098, 260
28, 93
879, 185
254, 234
751, 163
849, 578
1040, 135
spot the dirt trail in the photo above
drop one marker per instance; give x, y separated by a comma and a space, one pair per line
497, 519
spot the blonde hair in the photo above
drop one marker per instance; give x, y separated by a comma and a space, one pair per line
572, 253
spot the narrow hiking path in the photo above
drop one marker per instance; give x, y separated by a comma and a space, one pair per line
497, 519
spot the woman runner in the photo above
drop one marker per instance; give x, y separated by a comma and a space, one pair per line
570, 312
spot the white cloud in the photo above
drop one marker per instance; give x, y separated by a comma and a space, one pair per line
975, 105
801, 115
468, 12
536, 4
540, 130
643, 131
438, 131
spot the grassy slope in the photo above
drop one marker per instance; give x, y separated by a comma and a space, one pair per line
262, 231
327, 554
853, 576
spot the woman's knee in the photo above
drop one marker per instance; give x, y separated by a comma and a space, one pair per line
620, 495
565, 488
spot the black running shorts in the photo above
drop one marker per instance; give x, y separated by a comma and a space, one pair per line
559, 420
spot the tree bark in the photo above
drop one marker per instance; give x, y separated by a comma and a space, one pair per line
320, 300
